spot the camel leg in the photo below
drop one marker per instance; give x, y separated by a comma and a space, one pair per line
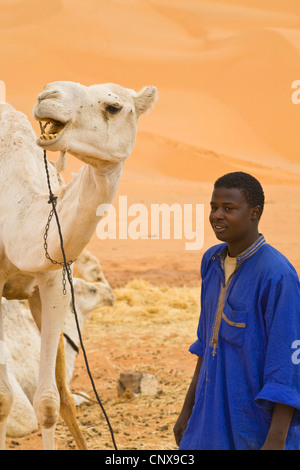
46, 401
6, 394
67, 405
35, 305
6, 399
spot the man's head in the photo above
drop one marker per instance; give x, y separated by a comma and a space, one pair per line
247, 184
236, 207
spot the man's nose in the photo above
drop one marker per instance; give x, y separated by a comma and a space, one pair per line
218, 214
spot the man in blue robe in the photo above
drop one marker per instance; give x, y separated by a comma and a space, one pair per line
245, 392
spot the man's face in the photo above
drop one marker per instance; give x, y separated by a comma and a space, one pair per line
231, 217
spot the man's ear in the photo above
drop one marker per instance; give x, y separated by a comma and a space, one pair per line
256, 212
145, 99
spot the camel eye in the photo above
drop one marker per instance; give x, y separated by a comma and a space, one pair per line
113, 108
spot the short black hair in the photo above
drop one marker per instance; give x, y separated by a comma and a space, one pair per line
249, 186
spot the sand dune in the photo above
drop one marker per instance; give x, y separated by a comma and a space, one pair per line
224, 69
169, 157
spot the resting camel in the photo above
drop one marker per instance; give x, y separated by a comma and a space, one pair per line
98, 125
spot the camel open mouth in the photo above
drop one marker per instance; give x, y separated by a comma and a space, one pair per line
51, 130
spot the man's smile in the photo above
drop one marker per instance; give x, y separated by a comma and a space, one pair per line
219, 227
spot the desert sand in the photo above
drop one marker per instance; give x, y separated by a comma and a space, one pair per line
224, 70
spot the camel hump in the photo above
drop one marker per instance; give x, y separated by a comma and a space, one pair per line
5, 107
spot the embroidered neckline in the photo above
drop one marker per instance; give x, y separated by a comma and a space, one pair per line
239, 260
245, 254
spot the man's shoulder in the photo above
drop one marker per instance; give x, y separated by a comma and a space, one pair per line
274, 262
272, 255
267, 260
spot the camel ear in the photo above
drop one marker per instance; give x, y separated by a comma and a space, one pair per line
145, 99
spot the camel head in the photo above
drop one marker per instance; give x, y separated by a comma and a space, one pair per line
92, 123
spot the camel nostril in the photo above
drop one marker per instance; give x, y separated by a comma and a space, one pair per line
48, 94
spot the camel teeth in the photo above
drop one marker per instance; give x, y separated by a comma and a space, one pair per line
48, 136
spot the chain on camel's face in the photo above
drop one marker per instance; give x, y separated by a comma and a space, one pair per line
96, 122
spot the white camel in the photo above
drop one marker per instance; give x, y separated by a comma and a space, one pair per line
98, 125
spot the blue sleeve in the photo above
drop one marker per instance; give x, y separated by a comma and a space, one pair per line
199, 345
281, 382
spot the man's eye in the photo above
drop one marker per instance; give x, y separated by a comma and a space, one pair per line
113, 109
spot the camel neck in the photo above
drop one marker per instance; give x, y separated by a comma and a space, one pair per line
78, 202
93, 185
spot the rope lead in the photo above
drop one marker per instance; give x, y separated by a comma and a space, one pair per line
67, 271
